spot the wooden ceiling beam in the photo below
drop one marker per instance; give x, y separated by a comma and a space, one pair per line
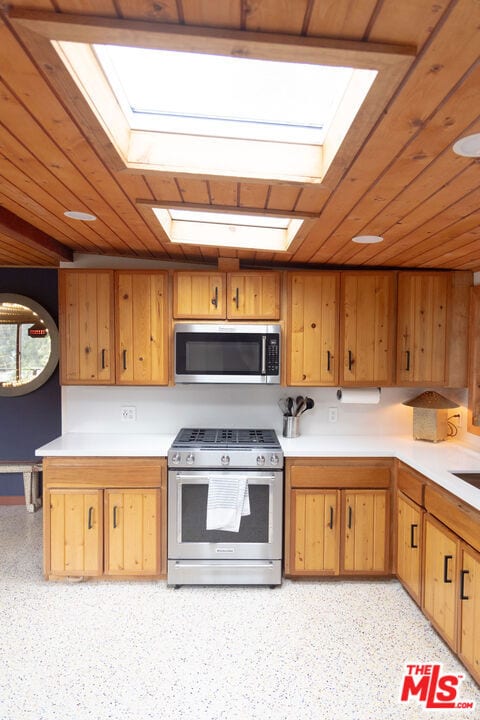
21, 231
219, 41
230, 209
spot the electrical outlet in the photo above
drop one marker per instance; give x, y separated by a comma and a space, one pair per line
332, 414
128, 413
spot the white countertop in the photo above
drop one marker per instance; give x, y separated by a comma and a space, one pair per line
434, 460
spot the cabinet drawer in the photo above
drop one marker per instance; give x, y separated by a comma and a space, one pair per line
339, 476
102, 472
411, 485
455, 514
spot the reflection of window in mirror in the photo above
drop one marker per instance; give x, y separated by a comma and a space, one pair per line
28, 345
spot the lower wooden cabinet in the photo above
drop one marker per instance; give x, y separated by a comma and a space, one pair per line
469, 598
75, 532
366, 528
132, 539
410, 545
441, 579
316, 537
110, 528
333, 527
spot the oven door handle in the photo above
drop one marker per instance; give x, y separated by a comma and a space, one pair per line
199, 475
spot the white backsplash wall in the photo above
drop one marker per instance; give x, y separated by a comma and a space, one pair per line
167, 409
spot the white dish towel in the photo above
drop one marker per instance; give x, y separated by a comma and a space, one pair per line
228, 500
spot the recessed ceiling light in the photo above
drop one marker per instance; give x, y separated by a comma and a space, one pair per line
77, 215
468, 146
367, 239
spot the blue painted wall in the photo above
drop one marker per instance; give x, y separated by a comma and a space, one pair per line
28, 421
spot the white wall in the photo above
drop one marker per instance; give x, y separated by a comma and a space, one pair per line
167, 409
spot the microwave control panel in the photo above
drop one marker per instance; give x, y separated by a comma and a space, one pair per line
273, 355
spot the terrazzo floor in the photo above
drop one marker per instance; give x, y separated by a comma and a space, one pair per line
139, 650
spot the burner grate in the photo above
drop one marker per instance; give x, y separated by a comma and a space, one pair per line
225, 437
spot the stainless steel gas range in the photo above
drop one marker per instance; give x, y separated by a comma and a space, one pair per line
225, 507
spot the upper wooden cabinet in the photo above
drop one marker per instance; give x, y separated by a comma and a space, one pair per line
312, 330
86, 327
253, 296
367, 328
141, 327
113, 319
432, 324
199, 295
422, 328
233, 296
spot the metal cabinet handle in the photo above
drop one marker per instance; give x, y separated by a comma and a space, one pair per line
407, 363
412, 535
90, 518
446, 559
462, 585
114, 516
350, 517
103, 358
350, 359
215, 298
124, 359
330, 524
329, 359
236, 298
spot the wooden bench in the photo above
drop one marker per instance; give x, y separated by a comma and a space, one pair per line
30, 471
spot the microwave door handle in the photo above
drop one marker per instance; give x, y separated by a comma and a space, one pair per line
264, 355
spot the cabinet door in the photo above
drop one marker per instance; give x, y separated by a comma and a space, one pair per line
315, 532
86, 327
198, 295
73, 532
253, 296
409, 545
422, 328
312, 331
142, 346
440, 579
132, 532
367, 313
365, 549
469, 649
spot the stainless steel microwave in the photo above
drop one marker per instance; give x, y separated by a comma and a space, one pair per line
229, 353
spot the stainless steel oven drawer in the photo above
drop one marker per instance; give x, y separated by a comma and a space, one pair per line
224, 572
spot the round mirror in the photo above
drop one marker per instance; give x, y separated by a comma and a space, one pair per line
28, 345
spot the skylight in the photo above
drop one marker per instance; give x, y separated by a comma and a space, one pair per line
257, 232
224, 96
220, 115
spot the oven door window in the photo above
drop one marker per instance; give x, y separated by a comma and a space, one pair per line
215, 354
254, 528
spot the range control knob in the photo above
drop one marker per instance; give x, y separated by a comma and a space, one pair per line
225, 459
190, 459
260, 459
176, 458
274, 459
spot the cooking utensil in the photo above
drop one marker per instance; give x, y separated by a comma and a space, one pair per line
309, 404
289, 406
282, 404
301, 406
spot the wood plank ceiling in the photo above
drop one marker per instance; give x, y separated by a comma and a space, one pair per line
403, 183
